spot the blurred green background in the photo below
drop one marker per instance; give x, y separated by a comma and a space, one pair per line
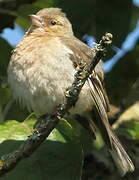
70, 154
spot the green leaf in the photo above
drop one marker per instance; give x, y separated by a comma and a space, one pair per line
24, 11
5, 53
130, 129
44, 3
120, 74
58, 158
15, 111
4, 95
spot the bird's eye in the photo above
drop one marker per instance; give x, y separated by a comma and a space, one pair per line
53, 22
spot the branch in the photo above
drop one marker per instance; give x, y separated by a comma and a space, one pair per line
49, 122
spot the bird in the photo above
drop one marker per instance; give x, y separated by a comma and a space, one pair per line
42, 67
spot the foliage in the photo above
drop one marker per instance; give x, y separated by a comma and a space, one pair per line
61, 156
56, 159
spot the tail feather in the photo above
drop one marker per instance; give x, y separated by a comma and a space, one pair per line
122, 160
120, 156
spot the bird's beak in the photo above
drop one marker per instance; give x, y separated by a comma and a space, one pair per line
36, 20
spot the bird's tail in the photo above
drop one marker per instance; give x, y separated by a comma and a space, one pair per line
122, 160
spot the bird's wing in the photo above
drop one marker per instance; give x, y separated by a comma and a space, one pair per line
82, 52
99, 96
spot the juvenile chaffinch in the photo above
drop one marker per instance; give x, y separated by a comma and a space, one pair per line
42, 67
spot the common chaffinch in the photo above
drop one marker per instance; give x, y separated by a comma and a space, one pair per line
42, 67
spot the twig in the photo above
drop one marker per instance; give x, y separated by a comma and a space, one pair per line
48, 123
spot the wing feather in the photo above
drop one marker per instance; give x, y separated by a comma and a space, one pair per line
81, 52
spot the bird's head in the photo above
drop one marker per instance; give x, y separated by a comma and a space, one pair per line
52, 20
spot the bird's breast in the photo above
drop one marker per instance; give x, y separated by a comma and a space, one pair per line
39, 74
